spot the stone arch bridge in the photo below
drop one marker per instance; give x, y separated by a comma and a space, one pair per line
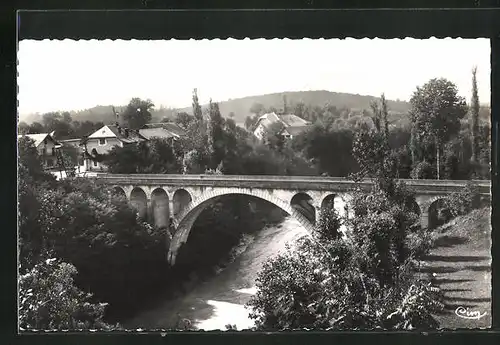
175, 201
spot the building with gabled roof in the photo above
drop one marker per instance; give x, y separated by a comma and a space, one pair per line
104, 140
292, 124
46, 147
163, 130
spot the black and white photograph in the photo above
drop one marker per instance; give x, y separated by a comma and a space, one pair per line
254, 184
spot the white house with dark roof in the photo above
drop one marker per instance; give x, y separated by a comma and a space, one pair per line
104, 139
292, 124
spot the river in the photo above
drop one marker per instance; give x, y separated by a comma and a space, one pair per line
221, 300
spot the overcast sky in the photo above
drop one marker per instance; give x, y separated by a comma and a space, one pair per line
74, 75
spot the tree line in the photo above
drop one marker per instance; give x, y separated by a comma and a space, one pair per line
445, 139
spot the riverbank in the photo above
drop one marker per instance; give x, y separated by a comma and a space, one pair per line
220, 299
208, 252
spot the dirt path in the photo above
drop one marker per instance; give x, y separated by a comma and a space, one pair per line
460, 263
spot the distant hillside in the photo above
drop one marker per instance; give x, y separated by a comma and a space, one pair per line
241, 106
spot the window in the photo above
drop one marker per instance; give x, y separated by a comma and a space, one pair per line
95, 163
102, 142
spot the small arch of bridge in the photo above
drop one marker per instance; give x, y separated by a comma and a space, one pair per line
139, 201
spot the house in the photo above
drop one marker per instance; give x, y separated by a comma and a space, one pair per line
292, 124
46, 146
104, 140
164, 130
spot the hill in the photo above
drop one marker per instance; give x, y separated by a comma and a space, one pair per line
241, 106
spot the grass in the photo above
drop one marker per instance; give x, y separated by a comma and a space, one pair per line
460, 264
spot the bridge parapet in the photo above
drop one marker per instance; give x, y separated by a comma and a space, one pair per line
436, 187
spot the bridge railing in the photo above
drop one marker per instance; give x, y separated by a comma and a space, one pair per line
423, 182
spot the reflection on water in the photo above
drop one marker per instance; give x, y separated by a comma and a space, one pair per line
221, 301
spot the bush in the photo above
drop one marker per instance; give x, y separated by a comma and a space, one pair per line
363, 282
463, 202
49, 300
310, 287
423, 170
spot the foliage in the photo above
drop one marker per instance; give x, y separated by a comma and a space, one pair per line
216, 136
196, 107
29, 161
137, 113
362, 282
49, 300
436, 111
158, 156
474, 114
328, 227
423, 170
273, 136
371, 153
464, 201
34, 128
184, 120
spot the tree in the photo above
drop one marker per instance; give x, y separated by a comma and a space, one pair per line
215, 135
49, 300
250, 122
29, 159
23, 128
137, 113
198, 115
436, 111
273, 136
257, 108
183, 119
50, 120
371, 146
474, 114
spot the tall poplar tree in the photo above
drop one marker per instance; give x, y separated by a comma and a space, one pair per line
196, 107
474, 113
215, 135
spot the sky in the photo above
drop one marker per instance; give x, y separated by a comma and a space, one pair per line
75, 75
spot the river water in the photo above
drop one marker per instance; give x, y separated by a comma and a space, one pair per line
221, 300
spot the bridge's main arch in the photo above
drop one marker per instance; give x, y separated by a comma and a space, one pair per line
186, 218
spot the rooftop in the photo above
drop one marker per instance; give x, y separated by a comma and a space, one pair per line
38, 138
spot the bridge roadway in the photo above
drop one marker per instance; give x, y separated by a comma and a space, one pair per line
175, 201
285, 182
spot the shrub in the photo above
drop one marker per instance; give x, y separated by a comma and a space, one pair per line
423, 170
325, 289
363, 282
48, 299
463, 202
